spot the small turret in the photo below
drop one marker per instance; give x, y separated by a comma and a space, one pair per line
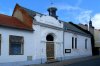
52, 12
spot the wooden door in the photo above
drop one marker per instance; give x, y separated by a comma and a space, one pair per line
50, 50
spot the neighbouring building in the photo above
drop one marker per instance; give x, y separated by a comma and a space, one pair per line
29, 37
87, 27
95, 37
97, 40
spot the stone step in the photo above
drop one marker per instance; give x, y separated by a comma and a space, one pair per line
52, 61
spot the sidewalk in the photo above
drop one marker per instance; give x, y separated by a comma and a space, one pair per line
66, 62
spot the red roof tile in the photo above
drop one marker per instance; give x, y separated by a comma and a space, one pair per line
13, 22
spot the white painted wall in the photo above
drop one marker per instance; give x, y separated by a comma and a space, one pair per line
80, 51
48, 20
58, 41
28, 43
44, 31
32, 45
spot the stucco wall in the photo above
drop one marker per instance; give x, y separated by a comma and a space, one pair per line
48, 20
31, 39
58, 41
80, 51
44, 31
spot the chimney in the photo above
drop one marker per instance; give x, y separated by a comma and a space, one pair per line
52, 12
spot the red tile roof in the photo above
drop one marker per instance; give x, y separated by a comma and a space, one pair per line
12, 22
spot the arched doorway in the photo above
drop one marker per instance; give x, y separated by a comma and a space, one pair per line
50, 47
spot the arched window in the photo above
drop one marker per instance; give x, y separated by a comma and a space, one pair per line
50, 37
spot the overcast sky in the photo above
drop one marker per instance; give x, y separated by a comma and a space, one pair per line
77, 11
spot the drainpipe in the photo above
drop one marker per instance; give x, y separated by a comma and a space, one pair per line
63, 41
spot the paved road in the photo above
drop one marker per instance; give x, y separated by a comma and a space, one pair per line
92, 62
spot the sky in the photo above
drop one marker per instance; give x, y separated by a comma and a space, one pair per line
76, 11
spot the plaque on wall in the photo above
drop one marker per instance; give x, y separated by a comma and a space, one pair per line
67, 50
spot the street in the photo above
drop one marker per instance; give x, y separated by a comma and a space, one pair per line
93, 62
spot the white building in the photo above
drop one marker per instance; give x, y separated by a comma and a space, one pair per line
29, 37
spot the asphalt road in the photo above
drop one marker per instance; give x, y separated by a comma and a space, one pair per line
93, 62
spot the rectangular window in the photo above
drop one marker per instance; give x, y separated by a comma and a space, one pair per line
85, 43
16, 45
0, 44
75, 43
72, 42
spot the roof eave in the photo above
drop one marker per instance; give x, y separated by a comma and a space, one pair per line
16, 28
